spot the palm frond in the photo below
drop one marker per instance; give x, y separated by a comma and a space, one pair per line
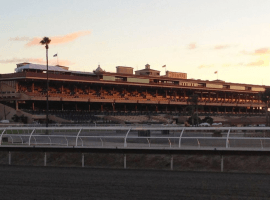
45, 41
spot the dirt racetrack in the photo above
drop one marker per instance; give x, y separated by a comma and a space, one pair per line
207, 163
21, 182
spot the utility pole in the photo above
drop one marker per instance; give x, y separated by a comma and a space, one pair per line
5, 115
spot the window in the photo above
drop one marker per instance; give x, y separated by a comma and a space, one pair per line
118, 78
248, 88
201, 84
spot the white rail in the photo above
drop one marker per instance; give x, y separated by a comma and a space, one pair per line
177, 137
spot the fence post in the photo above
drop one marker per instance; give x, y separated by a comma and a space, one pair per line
2, 136
125, 161
30, 137
45, 159
82, 159
9, 158
125, 142
227, 140
180, 138
221, 163
199, 144
149, 143
101, 142
171, 162
78, 137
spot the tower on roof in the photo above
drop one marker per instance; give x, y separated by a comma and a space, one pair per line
98, 70
147, 71
124, 70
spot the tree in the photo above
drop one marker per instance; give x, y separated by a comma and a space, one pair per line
208, 120
22, 118
15, 118
46, 41
194, 119
193, 101
265, 97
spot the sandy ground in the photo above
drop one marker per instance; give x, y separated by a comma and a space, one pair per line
242, 164
21, 182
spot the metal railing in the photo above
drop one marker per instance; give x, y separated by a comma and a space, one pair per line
133, 139
161, 137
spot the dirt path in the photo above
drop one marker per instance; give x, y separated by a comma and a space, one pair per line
20, 182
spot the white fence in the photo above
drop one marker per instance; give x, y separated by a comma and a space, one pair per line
139, 137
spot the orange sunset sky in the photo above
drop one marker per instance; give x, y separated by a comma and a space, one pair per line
198, 37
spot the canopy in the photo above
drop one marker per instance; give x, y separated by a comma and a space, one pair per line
40, 67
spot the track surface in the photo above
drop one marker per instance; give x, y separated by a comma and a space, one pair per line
17, 182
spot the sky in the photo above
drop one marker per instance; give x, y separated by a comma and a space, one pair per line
197, 37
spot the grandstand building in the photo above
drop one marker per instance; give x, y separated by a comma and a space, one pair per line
144, 91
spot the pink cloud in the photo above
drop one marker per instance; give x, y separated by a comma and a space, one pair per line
59, 39
51, 62
260, 51
192, 46
62, 63
255, 64
36, 61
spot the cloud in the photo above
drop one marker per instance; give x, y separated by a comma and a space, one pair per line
20, 39
246, 52
205, 66
240, 64
21, 60
261, 51
263, 62
36, 60
259, 63
226, 65
218, 47
262, 56
192, 45
255, 64
13, 60
62, 63
59, 39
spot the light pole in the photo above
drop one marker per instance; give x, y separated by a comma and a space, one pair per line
46, 41
4, 107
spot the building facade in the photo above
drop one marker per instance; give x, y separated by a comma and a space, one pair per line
123, 91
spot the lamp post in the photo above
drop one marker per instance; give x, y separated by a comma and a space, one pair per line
4, 107
46, 41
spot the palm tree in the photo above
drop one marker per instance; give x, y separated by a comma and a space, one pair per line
46, 41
